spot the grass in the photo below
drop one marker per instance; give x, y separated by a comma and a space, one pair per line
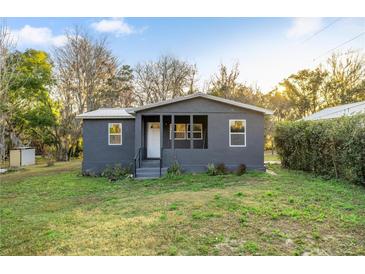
268, 156
55, 211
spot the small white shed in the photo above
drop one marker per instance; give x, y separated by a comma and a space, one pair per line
22, 156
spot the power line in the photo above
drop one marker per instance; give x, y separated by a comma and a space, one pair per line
344, 43
322, 29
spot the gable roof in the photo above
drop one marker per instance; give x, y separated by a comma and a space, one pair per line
203, 95
338, 111
127, 113
102, 113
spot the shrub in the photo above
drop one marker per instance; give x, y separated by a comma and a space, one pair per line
174, 169
241, 169
221, 169
211, 169
330, 148
116, 173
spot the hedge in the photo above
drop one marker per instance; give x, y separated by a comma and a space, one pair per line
331, 148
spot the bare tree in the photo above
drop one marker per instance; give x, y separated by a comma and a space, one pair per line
8, 73
84, 71
167, 78
225, 82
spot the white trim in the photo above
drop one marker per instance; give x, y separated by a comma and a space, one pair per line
115, 134
194, 131
175, 131
237, 133
186, 131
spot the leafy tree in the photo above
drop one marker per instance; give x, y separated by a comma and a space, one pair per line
346, 79
120, 89
303, 90
27, 104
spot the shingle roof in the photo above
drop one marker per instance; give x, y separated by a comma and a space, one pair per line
203, 95
102, 113
338, 111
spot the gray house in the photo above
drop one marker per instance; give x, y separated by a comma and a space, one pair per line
193, 130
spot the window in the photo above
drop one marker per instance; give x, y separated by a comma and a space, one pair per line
182, 131
115, 134
237, 133
197, 131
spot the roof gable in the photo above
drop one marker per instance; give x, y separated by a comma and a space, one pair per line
206, 96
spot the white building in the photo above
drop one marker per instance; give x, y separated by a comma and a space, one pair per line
338, 111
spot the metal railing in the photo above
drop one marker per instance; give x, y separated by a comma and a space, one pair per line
160, 159
137, 159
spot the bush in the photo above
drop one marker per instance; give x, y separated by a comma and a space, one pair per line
241, 169
174, 169
116, 173
211, 169
331, 148
221, 169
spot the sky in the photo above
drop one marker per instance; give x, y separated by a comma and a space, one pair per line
267, 49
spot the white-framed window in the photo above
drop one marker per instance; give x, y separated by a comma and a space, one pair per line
182, 131
179, 132
237, 133
197, 131
114, 134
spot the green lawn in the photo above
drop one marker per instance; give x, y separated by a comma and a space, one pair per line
55, 211
269, 156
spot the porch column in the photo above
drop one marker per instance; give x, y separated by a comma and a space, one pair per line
161, 133
172, 131
191, 131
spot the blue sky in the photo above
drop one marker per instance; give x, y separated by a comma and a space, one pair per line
267, 49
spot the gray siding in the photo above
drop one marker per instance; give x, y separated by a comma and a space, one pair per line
97, 153
218, 150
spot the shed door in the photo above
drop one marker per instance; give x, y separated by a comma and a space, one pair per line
153, 140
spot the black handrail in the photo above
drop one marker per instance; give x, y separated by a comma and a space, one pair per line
137, 156
161, 160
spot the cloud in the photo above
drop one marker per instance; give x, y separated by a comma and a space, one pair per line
37, 36
304, 26
115, 25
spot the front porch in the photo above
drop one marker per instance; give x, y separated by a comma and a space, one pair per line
161, 135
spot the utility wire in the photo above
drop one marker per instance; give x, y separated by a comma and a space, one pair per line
322, 29
344, 43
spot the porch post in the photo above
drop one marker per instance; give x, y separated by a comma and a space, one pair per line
172, 131
191, 132
161, 133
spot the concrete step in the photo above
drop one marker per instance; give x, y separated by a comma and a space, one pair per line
150, 172
150, 163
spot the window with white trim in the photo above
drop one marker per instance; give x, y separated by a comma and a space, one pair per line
115, 133
179, 132
182, 131
237, 133
197, 131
